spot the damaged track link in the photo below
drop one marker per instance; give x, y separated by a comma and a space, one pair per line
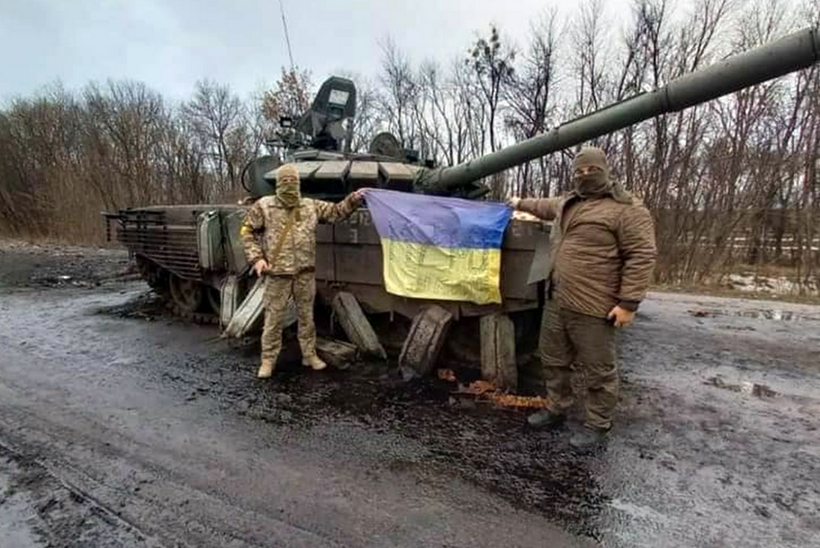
202, 318
159, 280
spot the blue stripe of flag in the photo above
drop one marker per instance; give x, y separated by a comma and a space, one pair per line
438, 221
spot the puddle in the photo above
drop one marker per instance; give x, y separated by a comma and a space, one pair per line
777, 315
764, 314
750, 388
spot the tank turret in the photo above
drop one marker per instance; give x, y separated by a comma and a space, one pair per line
319, 144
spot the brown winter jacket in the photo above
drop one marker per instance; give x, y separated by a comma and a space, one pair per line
602, 251
268, 217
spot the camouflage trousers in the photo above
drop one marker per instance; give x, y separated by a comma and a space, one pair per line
278, 290
569, 338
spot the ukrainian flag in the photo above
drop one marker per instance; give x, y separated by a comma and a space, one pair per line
440, 248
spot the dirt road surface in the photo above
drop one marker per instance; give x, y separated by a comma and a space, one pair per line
121, 427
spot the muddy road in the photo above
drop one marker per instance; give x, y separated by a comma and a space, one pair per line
120, 426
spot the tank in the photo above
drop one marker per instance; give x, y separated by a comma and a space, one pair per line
191, 254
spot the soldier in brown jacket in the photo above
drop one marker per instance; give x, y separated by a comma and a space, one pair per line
286, 225
602, 251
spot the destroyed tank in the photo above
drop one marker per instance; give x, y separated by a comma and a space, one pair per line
193, 256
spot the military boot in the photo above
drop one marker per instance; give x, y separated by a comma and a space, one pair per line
546, 419
589, 437
314, 362
266, 369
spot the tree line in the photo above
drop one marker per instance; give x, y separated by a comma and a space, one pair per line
732, 181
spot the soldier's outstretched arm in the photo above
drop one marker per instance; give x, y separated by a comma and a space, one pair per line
543, 208
332, 213
251, 229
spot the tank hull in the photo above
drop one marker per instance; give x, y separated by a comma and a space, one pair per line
348, 257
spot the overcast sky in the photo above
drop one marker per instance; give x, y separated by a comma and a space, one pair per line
173, 43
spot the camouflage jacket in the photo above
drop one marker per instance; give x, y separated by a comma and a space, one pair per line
602, 252
265, 221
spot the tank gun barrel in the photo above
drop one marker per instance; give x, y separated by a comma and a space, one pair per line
791, 53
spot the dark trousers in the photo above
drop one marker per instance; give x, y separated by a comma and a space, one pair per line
569, 338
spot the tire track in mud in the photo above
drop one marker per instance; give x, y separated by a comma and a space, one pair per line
41, 508
134, 482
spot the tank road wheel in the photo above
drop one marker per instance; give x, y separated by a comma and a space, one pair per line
154, 276
187, 295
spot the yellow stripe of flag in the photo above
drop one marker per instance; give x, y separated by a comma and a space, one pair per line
430, 272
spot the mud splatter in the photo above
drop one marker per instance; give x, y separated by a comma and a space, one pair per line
750, 388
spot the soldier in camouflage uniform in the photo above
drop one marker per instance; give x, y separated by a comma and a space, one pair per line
286, 225
602, 254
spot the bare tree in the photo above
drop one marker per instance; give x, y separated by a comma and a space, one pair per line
531, 95
368, 121
400, 92
218, 118
589, 46
492, 65
122, 130
290, 96
444, 113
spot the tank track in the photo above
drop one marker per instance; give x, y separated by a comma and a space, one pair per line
201, 318
157, 280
